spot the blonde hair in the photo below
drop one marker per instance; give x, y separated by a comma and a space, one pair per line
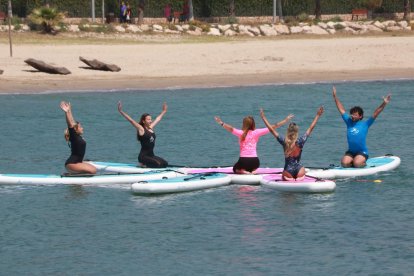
292, 133
248, 124
66, 133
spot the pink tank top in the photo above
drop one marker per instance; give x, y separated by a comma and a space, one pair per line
248, 146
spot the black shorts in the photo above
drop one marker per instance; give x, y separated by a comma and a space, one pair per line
351, 154
249, 164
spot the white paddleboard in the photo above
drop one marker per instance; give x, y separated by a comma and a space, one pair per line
374, 165
243, 179
51, 179
307, 185
181, 184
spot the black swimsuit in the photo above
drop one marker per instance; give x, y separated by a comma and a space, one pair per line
146, 155
77, 146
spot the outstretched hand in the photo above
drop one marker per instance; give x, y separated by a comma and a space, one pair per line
334, 91
164, 107
120, 106
320, 111
290, 117
65, 106
218, 120
387, 98
262, 112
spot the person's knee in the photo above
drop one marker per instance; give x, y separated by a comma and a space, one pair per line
346, 161
359, 161
92, 170
301, 174
287, 176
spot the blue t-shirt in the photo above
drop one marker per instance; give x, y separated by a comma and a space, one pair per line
357, 134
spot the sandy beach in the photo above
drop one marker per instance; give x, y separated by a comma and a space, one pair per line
206, 64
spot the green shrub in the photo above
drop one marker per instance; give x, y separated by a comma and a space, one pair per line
203, 26
303, 17
380, 19
336, 19
172, 27
339, 27
85, 26
291, 21
16, 20
232, 20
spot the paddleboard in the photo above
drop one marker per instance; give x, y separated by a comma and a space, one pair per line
244, 179
51, 179
112, 167
181, 184
374, 165
307, 185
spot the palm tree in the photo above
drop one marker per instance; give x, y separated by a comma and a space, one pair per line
47, 18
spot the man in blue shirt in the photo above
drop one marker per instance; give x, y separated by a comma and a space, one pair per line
357, 130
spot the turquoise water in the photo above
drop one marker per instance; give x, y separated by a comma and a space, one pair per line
363, 228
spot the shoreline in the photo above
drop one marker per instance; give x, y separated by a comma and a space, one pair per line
85, 85
208, 65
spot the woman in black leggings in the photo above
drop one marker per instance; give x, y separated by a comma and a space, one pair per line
146, 136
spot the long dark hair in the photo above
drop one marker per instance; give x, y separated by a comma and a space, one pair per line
141, 121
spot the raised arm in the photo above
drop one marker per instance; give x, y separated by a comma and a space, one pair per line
380, 108
139, 128
315, 120
339, 105
67, 108
159, 117
227, 127
284, 121
269, 126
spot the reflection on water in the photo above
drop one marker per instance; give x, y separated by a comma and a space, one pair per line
76, 192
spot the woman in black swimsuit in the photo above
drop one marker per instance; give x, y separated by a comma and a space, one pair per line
146, 136
73, 135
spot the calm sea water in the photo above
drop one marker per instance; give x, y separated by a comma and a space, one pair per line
363, 228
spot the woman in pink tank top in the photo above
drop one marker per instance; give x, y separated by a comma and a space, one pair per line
248, 136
